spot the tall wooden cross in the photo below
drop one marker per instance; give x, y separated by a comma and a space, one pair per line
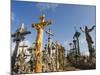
76, 35
49, 48
18, 36
49, 40
40, 30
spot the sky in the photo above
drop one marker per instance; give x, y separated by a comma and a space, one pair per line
66, 18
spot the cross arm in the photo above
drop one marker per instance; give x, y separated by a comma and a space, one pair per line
49, 33
82, 29
47, 23
26, 32
34, 25
91, 28
23, 46
13, 35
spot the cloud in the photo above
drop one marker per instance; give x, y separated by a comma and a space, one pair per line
47, 6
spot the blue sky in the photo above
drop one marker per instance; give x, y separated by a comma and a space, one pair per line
64, 18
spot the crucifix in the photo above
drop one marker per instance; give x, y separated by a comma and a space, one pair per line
89, 40
49, 47
76, 36
18, 36
49, 40
40, 30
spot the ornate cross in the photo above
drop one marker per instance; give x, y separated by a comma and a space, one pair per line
40, 30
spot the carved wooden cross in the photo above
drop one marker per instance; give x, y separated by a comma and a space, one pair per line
40, 29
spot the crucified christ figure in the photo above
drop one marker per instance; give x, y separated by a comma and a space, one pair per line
89, 39
40, 30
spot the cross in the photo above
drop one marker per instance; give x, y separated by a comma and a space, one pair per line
23, 50
18, 36
76, 36
49, 39
40, 30
89, 40
75, 49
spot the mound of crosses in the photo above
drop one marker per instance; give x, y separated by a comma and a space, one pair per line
52, 58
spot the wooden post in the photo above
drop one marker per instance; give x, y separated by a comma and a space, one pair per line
40, 29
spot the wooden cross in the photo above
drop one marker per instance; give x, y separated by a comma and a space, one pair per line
18, 36
89, 40
76, 36
49, 39
23, 50
40, 30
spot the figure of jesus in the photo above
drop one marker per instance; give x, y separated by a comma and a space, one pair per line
89, 39
40, 30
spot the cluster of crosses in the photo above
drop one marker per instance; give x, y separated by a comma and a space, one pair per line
75, 47
44, 60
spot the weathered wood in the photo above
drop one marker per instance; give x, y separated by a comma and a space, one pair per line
18, 36
89, 40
